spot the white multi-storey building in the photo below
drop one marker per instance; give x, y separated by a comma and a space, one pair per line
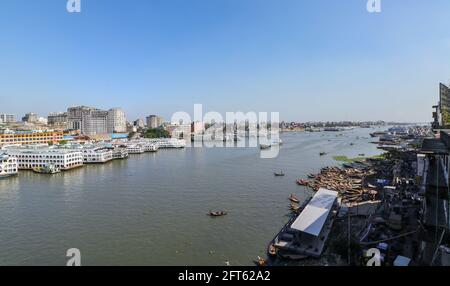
93, 121
117, 122
8, 166
97, 155
154, 121
7, 118
29, 158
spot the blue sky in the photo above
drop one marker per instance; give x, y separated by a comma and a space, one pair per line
309, 60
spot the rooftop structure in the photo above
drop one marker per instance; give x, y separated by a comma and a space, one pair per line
313, 217
308, 232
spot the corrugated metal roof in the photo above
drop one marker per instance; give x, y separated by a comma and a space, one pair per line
433, 146
313, 217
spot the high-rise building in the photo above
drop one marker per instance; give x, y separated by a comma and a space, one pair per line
93, 121
7, 118
75, 117
154, 121
117, 122
444, 105
57, 118
139, 123
30, 118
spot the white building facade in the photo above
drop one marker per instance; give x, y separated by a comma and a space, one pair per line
8, 166
93, 121
117, 121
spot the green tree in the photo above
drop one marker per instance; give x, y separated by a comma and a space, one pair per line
156, 133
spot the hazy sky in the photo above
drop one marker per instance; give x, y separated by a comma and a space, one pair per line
309, 60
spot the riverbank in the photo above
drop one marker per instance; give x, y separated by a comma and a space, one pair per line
379, 208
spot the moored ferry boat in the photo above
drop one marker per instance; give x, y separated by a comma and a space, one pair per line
171, 143
97, 155
8, 166
120, 153
306, 234
151, 147
135, 149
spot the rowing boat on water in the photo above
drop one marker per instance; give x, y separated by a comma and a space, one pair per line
302, 182
217, 213
279, 174
293, 199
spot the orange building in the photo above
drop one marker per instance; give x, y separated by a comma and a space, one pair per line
30, 137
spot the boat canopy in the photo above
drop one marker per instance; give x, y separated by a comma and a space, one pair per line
313, 217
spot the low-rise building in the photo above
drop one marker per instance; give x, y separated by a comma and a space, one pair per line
9, 137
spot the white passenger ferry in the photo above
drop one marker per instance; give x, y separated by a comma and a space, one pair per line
8, 166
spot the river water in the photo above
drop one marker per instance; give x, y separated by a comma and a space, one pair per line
151, 209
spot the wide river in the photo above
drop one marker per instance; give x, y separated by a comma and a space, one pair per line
151, 209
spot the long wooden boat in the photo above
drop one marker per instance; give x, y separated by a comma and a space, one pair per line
217, 213
279, 174
302, 182
293, 199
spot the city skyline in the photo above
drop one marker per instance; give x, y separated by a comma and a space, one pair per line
316, 61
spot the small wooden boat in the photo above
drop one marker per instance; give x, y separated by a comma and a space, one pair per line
322, 153
295, 208
272, 250
217, 213
279, 174
293, 199
302, 182
311, 176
